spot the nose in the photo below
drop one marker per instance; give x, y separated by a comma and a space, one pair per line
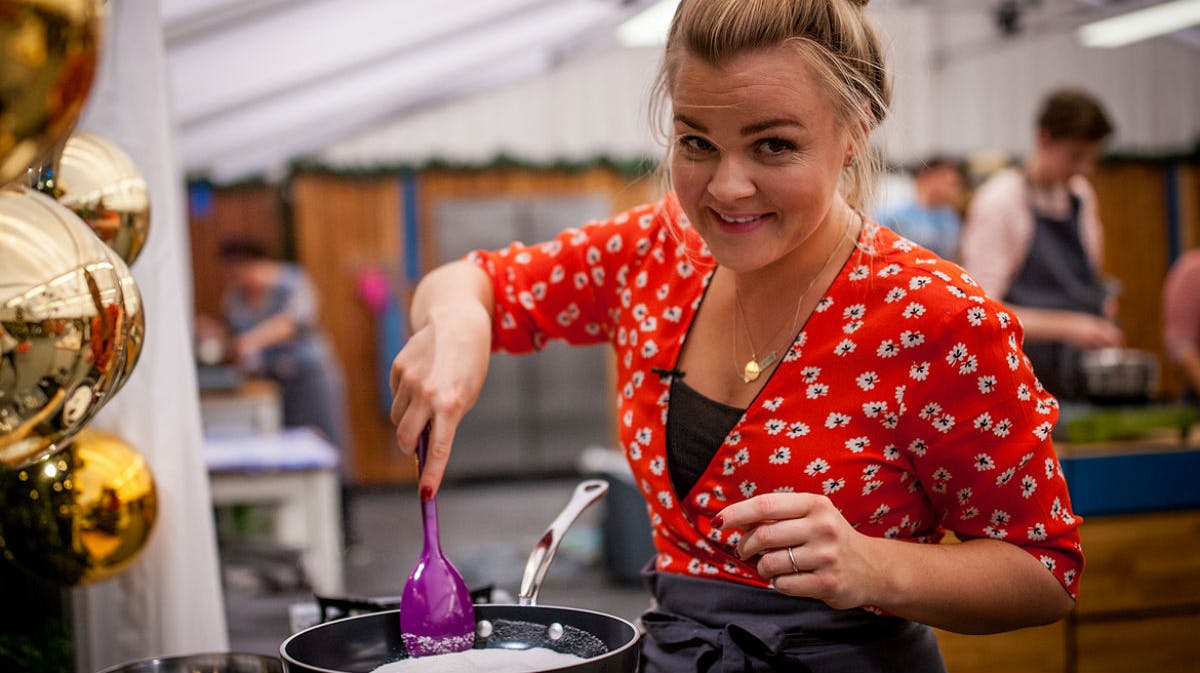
731, 181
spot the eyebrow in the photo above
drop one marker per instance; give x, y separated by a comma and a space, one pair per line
749, 129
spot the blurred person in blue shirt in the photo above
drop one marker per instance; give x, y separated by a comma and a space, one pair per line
931, 219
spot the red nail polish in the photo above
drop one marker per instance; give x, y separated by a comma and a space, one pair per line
426, 494
718, 521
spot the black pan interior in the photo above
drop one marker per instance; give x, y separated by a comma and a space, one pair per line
363, 643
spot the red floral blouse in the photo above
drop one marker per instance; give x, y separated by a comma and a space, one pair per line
905, 399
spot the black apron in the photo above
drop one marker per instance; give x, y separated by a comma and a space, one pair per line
1057, 274
711, 626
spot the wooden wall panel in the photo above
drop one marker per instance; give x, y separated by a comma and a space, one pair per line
1041, 648
255, 212
343, 226
1133, 209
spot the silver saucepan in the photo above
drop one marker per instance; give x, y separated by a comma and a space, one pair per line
607, 644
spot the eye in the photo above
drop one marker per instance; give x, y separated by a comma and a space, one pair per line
775, 147
695, 146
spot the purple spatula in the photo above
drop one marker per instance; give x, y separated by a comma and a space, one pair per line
436, 613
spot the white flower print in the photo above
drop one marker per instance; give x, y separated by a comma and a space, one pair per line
873, 409
969, 513
867, 380
774, 426
880, 512
657, 465
895, 295
626, 298
643, 246
1042, 431
859, 272
526, 299
919, 371
846, 347
644, 436
665, 499
892, 533
1002, 428
1056, 509
742, 456
592, 328
1028, 486
1069, 576
772, 404
1049, 465
919, 282
810, 374
1036, 532
944, 423
969, 365
832, 485
581, 280
984, 462
942, 474
852, 326
728, 466
816, 390
995, 533
780, 456
891, 452
684, 269
1003, 318
627, 360
702, 499
635, 451
909, 338
1000, 517
957, 354
564, 318
592, 256
640, 312
957, 292
1006, 476
914, 310
1012, 361
890, 420
1047, 561
976, 315
823, 305
793, 353
747, 488
734, 438
854, 311
887, 348
694, 566
836, 420
986, 384
930, 411
918, 446
983, 422
1023, 393
627, 390
672, 314
627, 419
649, 324
640, 280
858, 444
663, 292
523, 258
797, 430
870, 471
964, 495
871, 486
614, 243
889, 271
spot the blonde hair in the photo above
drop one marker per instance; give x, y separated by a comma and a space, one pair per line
836, 37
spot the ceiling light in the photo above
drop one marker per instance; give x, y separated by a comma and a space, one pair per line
649, 27
1141, 24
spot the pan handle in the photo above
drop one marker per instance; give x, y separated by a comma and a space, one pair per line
585, 494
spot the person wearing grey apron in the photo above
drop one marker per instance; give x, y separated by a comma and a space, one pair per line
1057, 274
1033, 240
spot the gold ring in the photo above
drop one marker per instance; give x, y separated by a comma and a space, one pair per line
793, 560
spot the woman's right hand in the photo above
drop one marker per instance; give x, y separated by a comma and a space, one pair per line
1086, 331
437, 376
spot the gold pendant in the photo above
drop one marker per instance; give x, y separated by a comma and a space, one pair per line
751, 371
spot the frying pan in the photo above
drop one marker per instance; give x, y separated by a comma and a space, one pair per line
607, 644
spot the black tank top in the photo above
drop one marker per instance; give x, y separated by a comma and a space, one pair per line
696, 427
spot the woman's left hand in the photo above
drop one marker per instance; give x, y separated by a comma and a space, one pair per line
803, 545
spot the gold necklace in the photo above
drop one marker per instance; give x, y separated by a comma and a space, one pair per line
754, 367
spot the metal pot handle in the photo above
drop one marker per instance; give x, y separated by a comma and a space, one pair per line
585, 494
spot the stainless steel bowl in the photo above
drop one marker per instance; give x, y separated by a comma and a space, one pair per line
215, 662
1119, 374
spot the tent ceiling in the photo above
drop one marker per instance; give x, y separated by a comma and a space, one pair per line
256, 82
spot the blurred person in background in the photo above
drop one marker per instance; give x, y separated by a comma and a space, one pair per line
270, 309
931, 219
1181, 319
1033, 239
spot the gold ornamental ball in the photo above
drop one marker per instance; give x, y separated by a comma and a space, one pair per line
64, 325
48, 51
101, 184
81, 515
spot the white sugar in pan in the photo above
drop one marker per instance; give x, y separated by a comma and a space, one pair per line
485, 661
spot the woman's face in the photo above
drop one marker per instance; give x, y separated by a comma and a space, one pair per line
756, 157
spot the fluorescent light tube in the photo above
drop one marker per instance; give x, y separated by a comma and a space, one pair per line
1141, 24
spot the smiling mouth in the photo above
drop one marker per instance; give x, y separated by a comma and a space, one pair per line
739, 221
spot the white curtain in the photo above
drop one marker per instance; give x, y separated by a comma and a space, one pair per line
169, 602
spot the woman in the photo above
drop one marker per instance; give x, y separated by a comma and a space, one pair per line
802, 394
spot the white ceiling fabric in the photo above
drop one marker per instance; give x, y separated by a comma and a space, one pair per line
361, 83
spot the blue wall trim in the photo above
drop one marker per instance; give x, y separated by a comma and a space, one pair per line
412, 233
